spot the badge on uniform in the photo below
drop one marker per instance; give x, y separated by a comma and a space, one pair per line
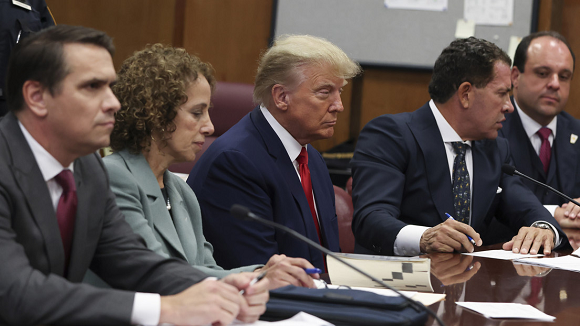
21, 4
573, 138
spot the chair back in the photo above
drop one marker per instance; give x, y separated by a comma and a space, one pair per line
344, 211
231, 102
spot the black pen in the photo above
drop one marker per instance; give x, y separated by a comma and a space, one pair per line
254, 281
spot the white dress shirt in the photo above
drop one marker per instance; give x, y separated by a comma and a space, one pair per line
146, 306
408, 239
292, 146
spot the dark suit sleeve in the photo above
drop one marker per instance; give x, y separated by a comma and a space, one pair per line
30, 297
378, 166
231, 179
519, 206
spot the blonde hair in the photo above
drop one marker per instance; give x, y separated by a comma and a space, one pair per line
284, 62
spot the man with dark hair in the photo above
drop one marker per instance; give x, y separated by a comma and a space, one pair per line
411, 169
58, 216
542, 137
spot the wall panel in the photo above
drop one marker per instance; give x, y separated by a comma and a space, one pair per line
132, 23
230, 34
392, 91
570, 28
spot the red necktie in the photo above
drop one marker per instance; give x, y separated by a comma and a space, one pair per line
307, 186
66, 210
536, 286
545, 149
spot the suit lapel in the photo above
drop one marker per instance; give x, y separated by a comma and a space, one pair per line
514, 131
32, 184
138, 166
317, 175
81, 227
565, 156
182, 221
485, 181
288, 172
426, 132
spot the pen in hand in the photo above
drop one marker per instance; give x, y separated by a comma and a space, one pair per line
468, 237
313, 271
254, 281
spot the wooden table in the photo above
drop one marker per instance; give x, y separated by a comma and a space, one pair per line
466, 278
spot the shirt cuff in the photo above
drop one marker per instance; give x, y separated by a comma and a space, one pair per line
551, 208
146, 309
408, 240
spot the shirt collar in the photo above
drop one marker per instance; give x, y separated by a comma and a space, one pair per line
531, 126
49, 166
291, 145
447, 132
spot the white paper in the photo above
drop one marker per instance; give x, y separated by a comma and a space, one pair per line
465, 29
300, 319
506, 310
500, 254
569, 263
489, 12
430, 5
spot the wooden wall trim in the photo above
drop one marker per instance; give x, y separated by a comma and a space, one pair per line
550, 15
179, 23
356, 106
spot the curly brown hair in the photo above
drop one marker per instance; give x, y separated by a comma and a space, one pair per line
151, 86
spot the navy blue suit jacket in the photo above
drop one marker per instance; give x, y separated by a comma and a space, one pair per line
401, 176
564, 171
248, 165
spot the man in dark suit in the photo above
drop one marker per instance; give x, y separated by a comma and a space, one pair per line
541, 78
264, 160
58, 216
410, 169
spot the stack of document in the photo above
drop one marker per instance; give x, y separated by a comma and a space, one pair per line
507, 310
402, 273
500, 254
569, 263
412, 276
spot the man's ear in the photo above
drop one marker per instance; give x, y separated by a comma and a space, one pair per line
464, 92
515, 76
34, 94
280, 96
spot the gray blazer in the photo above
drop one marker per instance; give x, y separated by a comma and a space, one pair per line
142, 203
33, 287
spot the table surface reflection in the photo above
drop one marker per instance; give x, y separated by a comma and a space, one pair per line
466, 278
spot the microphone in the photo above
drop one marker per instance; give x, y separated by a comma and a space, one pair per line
244, 213
511, 170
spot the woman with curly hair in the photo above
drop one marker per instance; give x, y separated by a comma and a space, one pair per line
165, 96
